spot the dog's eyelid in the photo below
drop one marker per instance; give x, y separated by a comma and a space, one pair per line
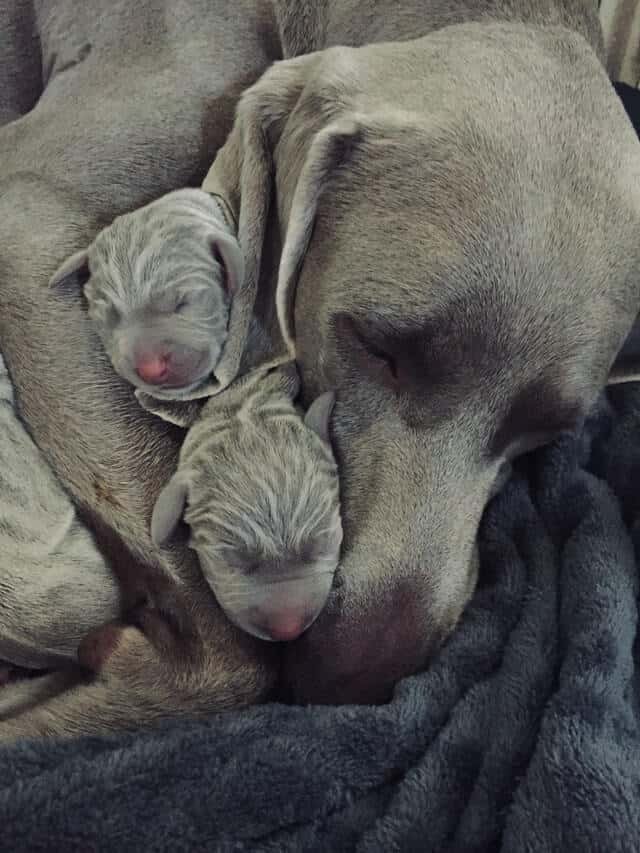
374, 343
382, 356
376, 353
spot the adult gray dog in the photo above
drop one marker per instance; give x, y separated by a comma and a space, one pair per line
459, 217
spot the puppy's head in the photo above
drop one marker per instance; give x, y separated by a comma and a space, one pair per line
263, 509
159, 288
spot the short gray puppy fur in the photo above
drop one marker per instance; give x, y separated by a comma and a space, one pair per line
260, 486
160, 284
54, 582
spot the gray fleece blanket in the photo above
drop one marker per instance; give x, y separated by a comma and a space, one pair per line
522, 735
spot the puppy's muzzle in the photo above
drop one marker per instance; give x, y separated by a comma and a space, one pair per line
278, 610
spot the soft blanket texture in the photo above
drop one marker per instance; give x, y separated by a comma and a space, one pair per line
522, 735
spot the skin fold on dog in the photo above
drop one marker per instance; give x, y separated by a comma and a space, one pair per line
453, 261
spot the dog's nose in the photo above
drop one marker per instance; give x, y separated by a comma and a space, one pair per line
153, 369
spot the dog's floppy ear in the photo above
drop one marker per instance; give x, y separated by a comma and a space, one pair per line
329, 149
76, 266
232, 260
242, 175
318, 415
626, 367
168, 510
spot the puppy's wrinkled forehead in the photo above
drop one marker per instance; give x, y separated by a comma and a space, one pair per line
268, 490
148, 251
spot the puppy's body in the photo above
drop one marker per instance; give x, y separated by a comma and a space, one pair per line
161, 282
54, 581
260, 487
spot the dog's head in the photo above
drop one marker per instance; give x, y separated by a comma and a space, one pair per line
159, 282
459, 219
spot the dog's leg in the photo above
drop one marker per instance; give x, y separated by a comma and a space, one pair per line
20, 696
138, 681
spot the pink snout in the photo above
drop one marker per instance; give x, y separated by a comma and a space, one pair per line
285, 626
278, 611
153, 369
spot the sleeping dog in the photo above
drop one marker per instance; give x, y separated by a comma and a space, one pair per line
455, 205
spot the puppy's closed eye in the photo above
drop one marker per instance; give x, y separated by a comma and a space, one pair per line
105, 312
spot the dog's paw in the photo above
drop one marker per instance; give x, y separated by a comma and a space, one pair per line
147, 647
100, 644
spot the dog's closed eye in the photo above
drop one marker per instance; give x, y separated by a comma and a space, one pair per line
385, 360
373, 358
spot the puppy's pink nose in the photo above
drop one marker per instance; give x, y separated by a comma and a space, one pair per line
286, 626
153, 369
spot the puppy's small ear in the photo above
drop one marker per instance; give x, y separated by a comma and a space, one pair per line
75, 267
168, 510
319, 414
229, 254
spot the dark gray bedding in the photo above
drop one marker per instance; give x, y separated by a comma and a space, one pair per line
522, 735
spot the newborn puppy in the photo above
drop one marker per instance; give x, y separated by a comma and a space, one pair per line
159, 289
260, 488
54, 583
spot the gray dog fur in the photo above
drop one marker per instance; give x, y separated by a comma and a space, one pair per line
466, 258
54, 581
260, 487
